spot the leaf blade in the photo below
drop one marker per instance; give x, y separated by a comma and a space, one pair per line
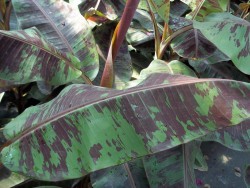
64, 27
52, 135
29, 55
230, 35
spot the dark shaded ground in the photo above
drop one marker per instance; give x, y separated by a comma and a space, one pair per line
223, 164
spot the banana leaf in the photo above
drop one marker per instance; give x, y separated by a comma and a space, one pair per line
236, 138
170, 168
229, 34
25, 56
87, 128
192, 44
63, 26
130, 174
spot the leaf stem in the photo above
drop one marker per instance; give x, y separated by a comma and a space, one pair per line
166, 32
156, 30
166, 43
97, 4
130, 177
196, 11
86, 79
116, 42
7, 16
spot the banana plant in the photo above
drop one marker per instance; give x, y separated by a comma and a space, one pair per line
172, 75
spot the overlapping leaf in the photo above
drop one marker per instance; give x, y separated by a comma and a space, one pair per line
162, 7
229, 34
172, 168
26, 57
63, 27
201, 8
87, 128
109, 9
160, 66
211, 6
130, 174
141, 29
10, 179
224, 70
192, 44
193, 4
236, 138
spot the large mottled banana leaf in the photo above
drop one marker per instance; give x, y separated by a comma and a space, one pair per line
25, 56
86, 128
63, 26
109, 177
192, 44
229, 34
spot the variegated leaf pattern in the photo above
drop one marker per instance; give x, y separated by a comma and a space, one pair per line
162, 7
236, 138
201, 8
63, 26
211, 6
172, 168
86, 128
229, 34
160, 66
130, 174
192, 44
25, 56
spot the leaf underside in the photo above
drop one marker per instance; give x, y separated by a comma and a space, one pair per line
64, 27
25, 57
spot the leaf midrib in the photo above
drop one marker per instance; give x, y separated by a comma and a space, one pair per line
52, 23
67, 61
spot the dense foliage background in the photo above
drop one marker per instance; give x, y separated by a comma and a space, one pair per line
107, 93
